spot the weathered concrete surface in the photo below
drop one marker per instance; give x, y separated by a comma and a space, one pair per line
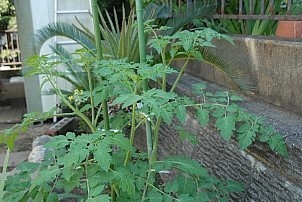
267, 176
275, 65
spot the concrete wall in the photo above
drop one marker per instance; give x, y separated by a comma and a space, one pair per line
275, 65
33, 15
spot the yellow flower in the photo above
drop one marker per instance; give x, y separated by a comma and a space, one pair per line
76, 91
70, 98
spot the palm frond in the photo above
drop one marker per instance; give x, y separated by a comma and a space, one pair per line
185, 16
78, 77
62, 29
237, 76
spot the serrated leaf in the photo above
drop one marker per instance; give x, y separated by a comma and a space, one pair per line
182, 163
57, 142
28, 167
100, 198
277, 143
171, 187
167, 116
45, 176
155, 196
246, 138
233, 186
97, 190
127, 100
181, 113
125, 180
102, 156
236, 98
121, 141
203, 116
226, 125
186, 184
198, 88
185, 198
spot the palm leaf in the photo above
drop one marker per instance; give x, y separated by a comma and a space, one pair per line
78, 77
184, 17
62, 29
237, 76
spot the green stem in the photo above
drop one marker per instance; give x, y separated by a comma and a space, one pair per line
98, 42
180, 74
133, 128
142, 51
60, 94
91, 98
155, 143
164, 84
4, 174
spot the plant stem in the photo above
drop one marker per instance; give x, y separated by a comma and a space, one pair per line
180, 74
60, 94
155, 143
142, 51
133, 128
99, 56
91, 98
164, 84
4, 174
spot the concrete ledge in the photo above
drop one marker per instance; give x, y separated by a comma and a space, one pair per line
267, 176
273, 64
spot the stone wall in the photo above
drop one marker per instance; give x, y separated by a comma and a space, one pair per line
275, 65
267, 176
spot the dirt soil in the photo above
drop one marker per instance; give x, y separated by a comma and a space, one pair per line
24, 141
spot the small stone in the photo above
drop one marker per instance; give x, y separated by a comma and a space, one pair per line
41, 140
37, 154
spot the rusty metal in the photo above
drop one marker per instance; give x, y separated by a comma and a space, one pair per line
262, 7
261, 16
289, 6
222, 6
240, 7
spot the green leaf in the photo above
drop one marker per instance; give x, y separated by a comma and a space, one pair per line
155, 196
182, 163
185, 198
57, 142
171, 187
101, 198
226, 125
277, 143
203, 116
186, 185
125, 180
198, 88
246, 138
233, 186
96, 190
85, 107
102, 156
28, 167
181, 113
127, 100
120, 140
